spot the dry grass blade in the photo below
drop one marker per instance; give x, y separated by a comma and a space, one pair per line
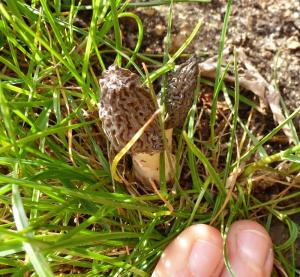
126, 148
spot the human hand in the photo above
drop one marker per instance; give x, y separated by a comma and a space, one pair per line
198, 252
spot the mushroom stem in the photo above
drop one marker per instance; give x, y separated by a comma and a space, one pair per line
146, 166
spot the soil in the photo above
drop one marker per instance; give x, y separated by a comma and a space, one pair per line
269, 33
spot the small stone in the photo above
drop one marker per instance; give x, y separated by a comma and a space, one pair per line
176, 41
150, 12
287, 14
159, 30
270, 45
267, 54
292, 43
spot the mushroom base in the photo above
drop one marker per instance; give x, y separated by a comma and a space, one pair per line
146, 166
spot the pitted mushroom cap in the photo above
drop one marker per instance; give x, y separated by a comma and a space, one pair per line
124, 107
179, 97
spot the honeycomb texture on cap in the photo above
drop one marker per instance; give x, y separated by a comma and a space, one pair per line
124, 107
179, 96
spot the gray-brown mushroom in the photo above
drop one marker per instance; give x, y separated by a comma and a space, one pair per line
181, 85
180, 89
124, 107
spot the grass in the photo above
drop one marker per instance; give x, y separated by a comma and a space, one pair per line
61, 210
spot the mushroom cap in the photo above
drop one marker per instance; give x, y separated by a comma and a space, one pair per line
124, 107
179, 96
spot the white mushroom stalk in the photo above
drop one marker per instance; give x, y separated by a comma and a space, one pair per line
146, 165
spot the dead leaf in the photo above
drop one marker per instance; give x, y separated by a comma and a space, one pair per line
252, 80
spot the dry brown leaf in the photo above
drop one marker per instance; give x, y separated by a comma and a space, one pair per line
252, 80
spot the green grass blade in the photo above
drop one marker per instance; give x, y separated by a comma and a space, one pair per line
218, 74
214, 175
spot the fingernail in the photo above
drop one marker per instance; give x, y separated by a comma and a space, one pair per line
204, 258
254, 246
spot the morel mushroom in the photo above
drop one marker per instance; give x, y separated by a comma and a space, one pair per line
179, 96
180, 89
124, 107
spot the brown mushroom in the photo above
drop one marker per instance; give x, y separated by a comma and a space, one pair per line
179, 97
124, 107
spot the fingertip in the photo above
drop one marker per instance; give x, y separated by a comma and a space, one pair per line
197, 251
249, 248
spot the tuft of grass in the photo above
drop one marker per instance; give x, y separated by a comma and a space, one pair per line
62, 212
